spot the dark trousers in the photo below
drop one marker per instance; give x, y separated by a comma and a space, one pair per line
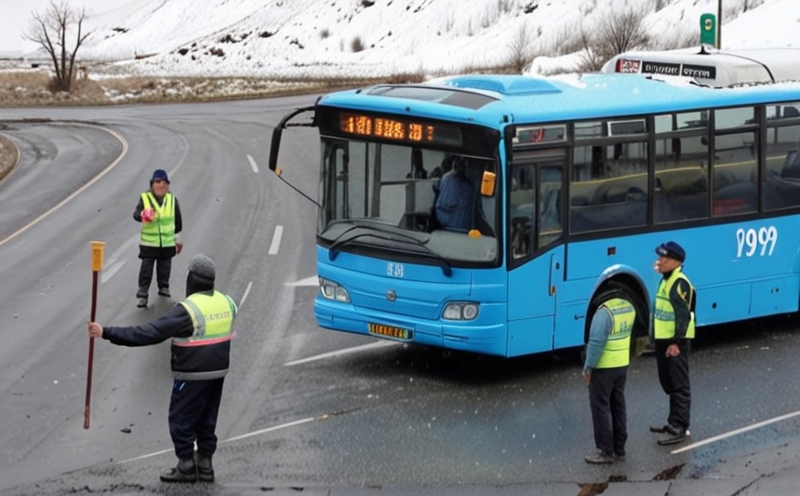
609, 416
163, 269
673, 373
193, 410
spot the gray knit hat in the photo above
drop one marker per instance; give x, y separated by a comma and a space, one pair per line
203, 267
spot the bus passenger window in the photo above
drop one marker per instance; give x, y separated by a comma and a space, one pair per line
681, 179
735, 188
733, 117
781, 183
616, 193
550, 224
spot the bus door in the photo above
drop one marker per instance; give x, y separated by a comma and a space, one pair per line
535, 248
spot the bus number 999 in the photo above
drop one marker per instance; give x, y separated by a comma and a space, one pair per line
748, 241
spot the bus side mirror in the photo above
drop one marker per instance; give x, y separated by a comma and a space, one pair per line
487, 183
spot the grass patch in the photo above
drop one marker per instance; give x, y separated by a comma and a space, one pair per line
30, 89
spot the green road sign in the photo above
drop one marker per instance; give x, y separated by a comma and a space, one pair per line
708, 29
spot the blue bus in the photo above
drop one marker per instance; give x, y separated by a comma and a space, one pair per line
565, 185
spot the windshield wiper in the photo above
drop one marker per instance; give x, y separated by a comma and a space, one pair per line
333, 251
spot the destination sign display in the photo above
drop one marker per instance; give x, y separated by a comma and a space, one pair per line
392, 128
633, 66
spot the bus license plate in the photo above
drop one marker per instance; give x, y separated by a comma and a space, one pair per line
389, 331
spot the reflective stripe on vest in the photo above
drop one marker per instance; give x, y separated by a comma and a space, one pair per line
161, 231
617, 350
212, 317
664, 313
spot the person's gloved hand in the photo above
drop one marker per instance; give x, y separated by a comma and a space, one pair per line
147, 215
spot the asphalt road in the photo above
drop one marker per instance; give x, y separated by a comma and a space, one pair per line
305, 409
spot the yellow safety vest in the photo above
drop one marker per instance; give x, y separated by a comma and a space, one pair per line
664, 314
161, 231
212, 317
617, 352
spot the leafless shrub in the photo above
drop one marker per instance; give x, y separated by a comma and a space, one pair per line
356, 45
521, 49
449, 21
565, 42
404, 78
616, 32
489, 17
324, 33
681, 39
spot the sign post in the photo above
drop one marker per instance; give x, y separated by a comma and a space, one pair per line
97, 265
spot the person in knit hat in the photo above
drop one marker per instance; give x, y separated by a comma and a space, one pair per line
159, 241
201, 329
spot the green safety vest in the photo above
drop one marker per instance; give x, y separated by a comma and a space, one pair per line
160, 232
617, 350
664, 314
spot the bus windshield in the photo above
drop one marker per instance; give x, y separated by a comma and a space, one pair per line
409, 202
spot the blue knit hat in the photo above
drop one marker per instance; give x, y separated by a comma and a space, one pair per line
159, 174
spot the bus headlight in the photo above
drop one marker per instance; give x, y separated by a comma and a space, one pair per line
460, 310
333, 291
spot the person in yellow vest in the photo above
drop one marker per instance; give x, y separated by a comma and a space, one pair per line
606, 370
673, 330
160, 214
201, 328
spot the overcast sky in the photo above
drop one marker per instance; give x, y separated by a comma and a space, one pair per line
16, 14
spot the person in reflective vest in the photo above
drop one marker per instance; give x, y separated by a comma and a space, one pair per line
159, 241
605, 370
201, 328
673, 330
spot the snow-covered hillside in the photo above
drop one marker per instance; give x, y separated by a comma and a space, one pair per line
312, 38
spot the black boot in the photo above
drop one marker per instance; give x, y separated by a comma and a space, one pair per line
205, 470
184, 471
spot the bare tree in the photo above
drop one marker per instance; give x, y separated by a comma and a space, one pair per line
51, 30
616, 32
521, 55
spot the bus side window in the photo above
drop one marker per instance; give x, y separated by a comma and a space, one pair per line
550, 221
522, 208
735, 160
616, 194
781, 183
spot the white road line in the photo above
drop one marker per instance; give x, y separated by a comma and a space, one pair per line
109, 271
237, 438
735, 432
246, 292
115, 262
308, 281
253, 164
346, 351
276, 241
269, 429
